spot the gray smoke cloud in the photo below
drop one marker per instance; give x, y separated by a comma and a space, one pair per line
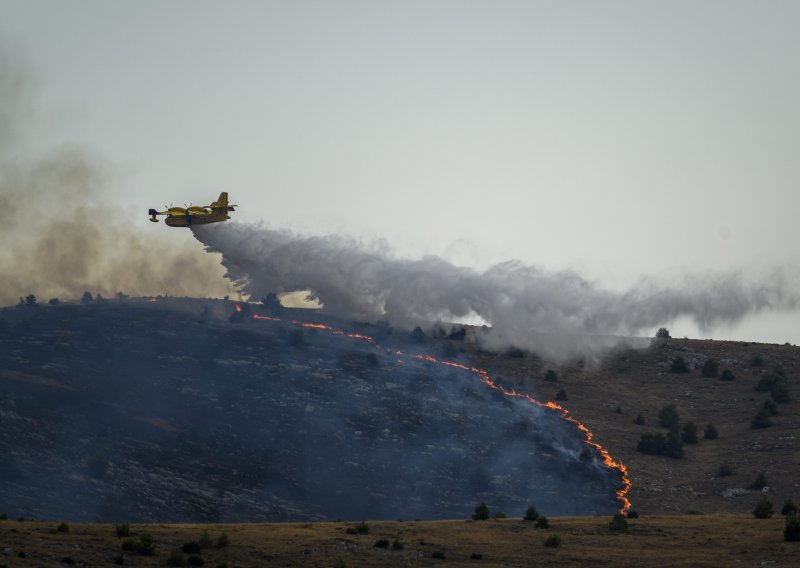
555, 314
61, 233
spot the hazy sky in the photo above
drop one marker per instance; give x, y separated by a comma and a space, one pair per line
619, 139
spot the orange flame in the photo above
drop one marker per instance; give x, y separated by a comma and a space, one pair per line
483, 376
238, 307
152, 300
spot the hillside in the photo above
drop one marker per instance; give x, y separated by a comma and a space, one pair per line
185, 410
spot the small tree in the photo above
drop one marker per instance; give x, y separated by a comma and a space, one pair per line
531, 514
771, 407
758, 361
542, 522
710, 433
761, 420
618, 523
725, 470
30, 300
780, 392
561, 395
53, 301
551, 376
651, 444
727, 375
679, 365
689, 433
552, 541
789, 508
668, 416
481, 512
710, 368
417, 335
639, 419
791, 530
760, 482
662, 333
763, 509
674, 446
87, 298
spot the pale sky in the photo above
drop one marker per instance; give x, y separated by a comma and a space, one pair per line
619, 139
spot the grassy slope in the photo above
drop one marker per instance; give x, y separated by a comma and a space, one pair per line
634, 381
723, 540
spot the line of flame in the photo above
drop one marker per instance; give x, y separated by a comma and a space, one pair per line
483, 376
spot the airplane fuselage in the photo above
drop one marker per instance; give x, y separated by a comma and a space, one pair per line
188, 220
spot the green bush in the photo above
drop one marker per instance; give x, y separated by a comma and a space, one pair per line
791, 530
633, 514
789, 508
764, 509
143, 545
771, 407
674, 446
662, 333
689, 433
652, 444
499, 515
618, 523
381, 543
727, 375
223, 540
481, 512
3, 516
710, 368
439, 554
725, 470
679, 365
63, 527
710, 433
639, 419
195, 560
191, 547
531, 514
362, 528
397, 545
668, 416
551, 376
758, 361
760, 482
176, 558
542, 522
561, 395
761, 419
767, 382
552, 541
205, 540
122, 530
780, 392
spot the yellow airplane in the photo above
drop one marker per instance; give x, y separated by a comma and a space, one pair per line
197, 214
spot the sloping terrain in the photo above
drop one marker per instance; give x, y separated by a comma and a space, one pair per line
172, 411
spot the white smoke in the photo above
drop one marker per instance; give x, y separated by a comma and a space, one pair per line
555, 314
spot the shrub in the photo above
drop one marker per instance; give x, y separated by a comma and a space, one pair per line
176, 558
710, 433
791, 530
205, 540
689, 433
780, 392
130, 544
789, 508
53, 301
633, 514
652, 444
761, 419
767, 382
662, 333
63, 527
542, 522
372, 359
195, 560
67, 560
679, 365
191, 547
351, 530
561, 395
551, 376
30, 300
87, 298
122, 530
725, 470
674, 446
296, 337
710, 368
531, 514
146, 545
780, 371
499, 515
760, 482
481, 512
223, 540
397, 545
476, 556
381, 543
618, 523
639, 419
362, 528
668, 416
340, 563
417, 335
119, 559
3, 516
758, 361
552, 541
763, 509
439, 554
618, 410
727, 375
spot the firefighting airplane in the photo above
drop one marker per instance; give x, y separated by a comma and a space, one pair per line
217, 212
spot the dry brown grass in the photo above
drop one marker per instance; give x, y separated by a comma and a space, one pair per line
719, 540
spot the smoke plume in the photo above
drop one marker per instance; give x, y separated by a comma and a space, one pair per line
61, 233
555, 314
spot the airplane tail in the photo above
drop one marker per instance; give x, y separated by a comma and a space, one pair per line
222, 202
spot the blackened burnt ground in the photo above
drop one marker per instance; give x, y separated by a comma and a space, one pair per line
166, 411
